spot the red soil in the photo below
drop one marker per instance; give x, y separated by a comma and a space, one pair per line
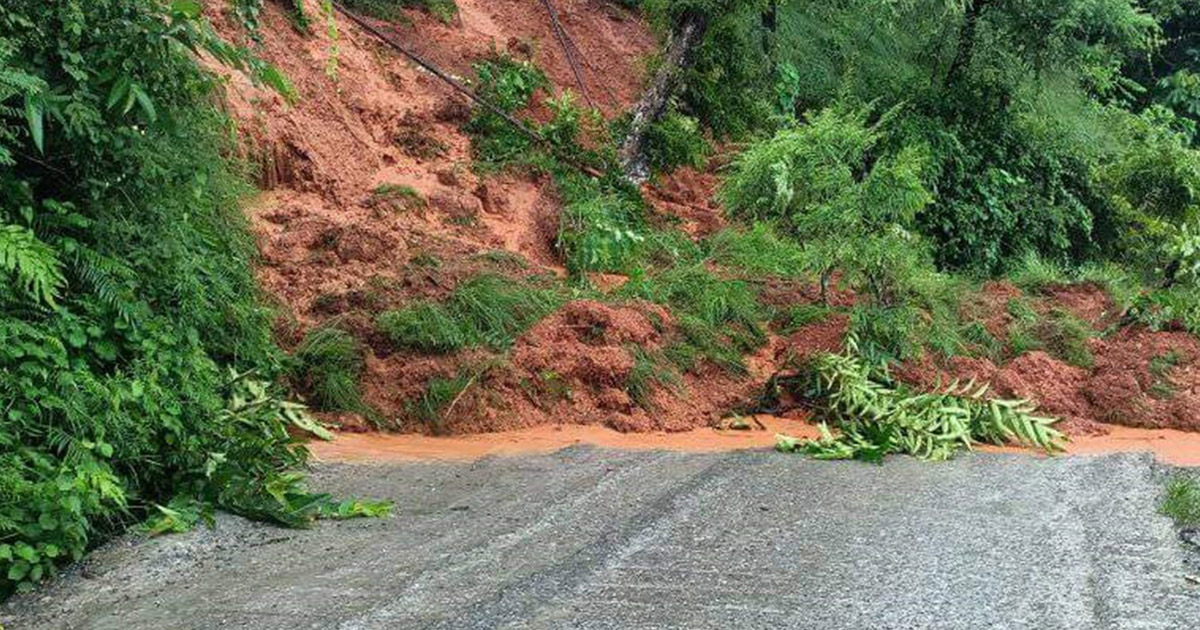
1140, 378
367, 117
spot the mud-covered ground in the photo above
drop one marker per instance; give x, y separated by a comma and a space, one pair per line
333, 251
589, 538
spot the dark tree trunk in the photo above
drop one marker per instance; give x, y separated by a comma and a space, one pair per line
966, 40
685, 37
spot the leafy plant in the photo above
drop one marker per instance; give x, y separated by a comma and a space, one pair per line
129, 294
676, 140
876, 418
486, 310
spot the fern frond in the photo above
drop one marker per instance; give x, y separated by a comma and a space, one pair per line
33, 263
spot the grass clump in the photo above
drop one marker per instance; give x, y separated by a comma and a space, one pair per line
397, 197
1059, 332
391, 10
798, 316
486, 310
1181, 501
1160, 370
649, 369
433, 404
718, 319
326, 368
760, 251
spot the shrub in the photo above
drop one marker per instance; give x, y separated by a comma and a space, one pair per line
598, 233
675, 140
130, 294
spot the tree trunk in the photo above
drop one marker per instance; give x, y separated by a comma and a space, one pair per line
686, 35
966, 40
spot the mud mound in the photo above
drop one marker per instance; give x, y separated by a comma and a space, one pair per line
689, 195
1087, 301
1147, 379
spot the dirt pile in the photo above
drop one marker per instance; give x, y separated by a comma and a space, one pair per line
1138, 377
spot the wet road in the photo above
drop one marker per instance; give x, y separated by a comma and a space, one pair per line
590, 538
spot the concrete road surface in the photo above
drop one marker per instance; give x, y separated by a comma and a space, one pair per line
597, 539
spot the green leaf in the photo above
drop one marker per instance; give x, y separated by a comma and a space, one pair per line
146, 104
189, 9
18, 571
27, 553
35, 115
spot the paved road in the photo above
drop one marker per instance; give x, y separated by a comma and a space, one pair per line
596, 539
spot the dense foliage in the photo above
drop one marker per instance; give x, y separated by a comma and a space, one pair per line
1034, 138
135, 353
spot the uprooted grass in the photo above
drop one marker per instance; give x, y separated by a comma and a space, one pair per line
392, 10
1059, 332
326, 369
877, 417
486, 310
718, 318
650, 369
397, 197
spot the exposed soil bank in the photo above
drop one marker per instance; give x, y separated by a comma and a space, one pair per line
1178, 448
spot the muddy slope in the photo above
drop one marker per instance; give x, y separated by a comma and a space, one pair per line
333, 250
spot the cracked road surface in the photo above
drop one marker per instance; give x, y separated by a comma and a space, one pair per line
602, 539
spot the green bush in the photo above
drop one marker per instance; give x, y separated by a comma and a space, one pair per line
130, 294
675, 140
599, 233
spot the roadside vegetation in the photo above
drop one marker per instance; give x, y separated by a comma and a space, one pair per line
137, 367
1181, 501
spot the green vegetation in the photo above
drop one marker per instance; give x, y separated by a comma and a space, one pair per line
1181, 501
439, 395
650, 369
397, 197
1160, 369
485, 310
326, 370
444, 10
676, 140
136, 360
876, 417
718, 319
